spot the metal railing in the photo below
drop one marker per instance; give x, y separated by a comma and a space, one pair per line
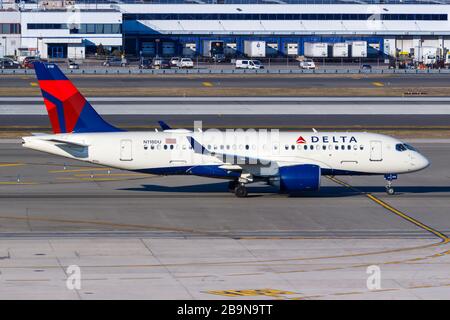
135, 71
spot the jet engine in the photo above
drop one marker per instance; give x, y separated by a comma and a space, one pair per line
298, 178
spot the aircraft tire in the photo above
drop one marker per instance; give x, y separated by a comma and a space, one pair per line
390, 191
241, 191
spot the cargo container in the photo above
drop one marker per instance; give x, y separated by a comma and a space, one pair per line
340, 50
255, 49
316, 49
358, 49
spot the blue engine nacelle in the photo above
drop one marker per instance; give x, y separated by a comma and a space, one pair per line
303, 177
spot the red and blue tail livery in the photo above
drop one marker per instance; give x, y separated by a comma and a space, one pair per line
68, 110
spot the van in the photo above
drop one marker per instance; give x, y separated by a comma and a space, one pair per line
248, 64
307, 64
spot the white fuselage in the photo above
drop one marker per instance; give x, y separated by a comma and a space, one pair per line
334, 152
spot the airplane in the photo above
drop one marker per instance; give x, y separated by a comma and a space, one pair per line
293, 162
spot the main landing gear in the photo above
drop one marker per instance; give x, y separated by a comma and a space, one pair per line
237, 188
389, 178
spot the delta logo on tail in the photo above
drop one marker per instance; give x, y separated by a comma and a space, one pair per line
301, 140
67, 109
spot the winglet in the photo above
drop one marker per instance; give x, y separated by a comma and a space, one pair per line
164, 126
197, 147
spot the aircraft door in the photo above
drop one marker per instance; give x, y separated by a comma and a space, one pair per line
126, 153
376, 151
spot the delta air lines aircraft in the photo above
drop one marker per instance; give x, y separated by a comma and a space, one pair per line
292, 161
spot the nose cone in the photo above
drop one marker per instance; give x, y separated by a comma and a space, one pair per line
422, 162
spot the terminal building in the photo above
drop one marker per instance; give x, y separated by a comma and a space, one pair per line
76, 29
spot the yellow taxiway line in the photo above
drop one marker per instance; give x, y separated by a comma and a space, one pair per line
399, 213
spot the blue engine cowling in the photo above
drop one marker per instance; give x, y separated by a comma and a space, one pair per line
303, 177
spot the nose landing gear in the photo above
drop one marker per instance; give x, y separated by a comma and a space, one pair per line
389, 178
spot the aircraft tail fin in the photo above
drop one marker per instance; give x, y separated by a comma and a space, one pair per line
67, 109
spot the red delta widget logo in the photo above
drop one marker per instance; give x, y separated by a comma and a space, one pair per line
301, 140
328, 139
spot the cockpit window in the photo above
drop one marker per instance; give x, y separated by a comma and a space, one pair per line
400, 147
403, 147
409, 147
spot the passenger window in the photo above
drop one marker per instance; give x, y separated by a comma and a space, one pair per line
171, 147
349, 147
311, 147
228, 147
336, 147
355, 147
305, 147
292, 147
343, 147
324, 147
247, 147
361, 147
286, 147
209, 146
165, 147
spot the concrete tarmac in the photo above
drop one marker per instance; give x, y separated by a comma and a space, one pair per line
245, 81
140, 236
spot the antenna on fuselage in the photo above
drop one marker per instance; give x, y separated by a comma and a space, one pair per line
314, 130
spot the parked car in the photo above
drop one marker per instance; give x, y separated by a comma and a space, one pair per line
174, 61
27, 63
367, 67
185, 63
160, 63
307, 64
145, 64
6, 63
73, 65
115, 62
248, 64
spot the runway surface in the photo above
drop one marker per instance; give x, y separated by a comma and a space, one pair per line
139, 236
245, 81
241, 106
285, 113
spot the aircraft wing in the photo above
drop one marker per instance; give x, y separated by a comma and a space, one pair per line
231, 159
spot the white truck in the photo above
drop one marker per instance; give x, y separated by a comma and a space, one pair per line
255, 49
316, 49
248, 64
214, 49
340, 50
426, 55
